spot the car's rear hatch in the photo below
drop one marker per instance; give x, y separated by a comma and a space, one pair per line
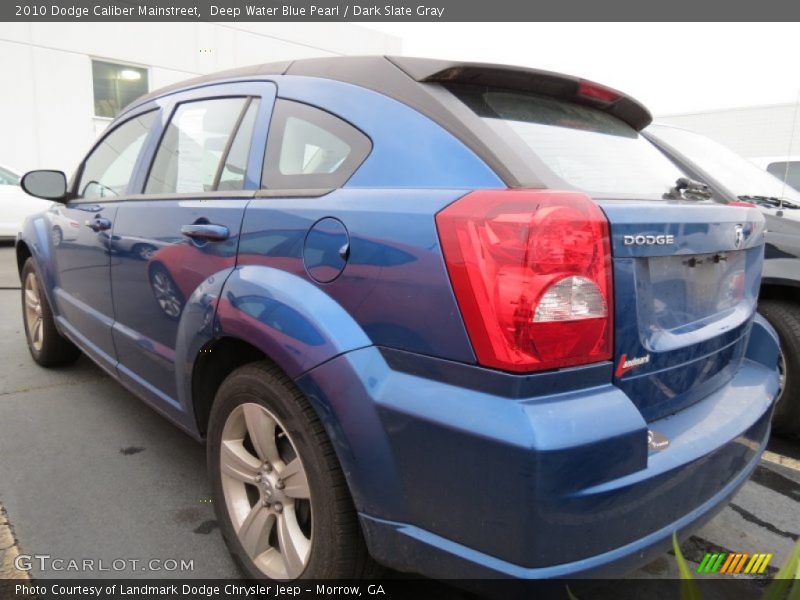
686, 280
686, 270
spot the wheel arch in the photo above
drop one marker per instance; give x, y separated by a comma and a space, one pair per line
23, 253
263, 313
215, 361
780, 289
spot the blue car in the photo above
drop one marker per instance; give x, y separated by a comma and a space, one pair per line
456, 319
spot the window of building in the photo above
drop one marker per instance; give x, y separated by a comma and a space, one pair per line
191, 155
107, 171
309, 148
116, 86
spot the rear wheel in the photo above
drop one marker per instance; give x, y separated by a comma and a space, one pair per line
280, 496
46, 345
785, 318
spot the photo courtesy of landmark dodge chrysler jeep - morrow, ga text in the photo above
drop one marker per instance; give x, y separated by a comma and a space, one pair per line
430, 315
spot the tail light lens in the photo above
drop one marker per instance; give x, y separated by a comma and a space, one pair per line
531, 271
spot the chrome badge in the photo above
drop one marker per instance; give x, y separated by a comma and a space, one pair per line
648, 240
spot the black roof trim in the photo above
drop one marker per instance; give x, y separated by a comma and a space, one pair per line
402, 79
276, 68
521, 79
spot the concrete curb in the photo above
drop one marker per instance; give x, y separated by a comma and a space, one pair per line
9, 550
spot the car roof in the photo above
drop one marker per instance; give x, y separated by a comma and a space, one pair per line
417, 83
380, 73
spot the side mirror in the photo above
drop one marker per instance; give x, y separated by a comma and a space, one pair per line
50, 185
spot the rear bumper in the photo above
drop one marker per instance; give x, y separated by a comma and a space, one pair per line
451, 482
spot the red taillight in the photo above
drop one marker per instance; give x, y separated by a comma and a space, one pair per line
595, 91
531, 270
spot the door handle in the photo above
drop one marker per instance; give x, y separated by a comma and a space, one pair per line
206, 231
98, 224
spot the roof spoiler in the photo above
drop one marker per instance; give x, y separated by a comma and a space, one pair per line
546, 83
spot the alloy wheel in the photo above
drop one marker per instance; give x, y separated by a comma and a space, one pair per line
266, 491
34, 324
781, 375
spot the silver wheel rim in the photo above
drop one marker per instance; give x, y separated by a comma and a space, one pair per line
33, 312
781, 375
165, 294
266, 491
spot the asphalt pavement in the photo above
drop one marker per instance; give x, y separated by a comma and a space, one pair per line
87, 471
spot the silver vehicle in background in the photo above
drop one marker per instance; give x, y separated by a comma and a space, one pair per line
733, 178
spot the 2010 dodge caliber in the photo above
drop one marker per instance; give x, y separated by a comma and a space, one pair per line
437, 316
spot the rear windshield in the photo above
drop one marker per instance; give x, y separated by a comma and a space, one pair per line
585, 147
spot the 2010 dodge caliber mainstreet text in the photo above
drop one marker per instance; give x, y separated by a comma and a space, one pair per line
429, 315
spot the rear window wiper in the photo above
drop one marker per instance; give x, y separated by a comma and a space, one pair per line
771, 201
688, 189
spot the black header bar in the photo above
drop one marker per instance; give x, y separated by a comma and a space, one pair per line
404, 11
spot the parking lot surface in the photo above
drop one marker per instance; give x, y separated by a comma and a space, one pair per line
87, 471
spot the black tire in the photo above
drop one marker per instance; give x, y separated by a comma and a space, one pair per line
785, 318
338, 550
55, 350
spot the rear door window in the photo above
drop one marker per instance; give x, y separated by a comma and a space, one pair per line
191, 157
309, 148
586, 148
234, 168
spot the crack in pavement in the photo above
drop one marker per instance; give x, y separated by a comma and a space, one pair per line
751, 518
52, 385
776, 482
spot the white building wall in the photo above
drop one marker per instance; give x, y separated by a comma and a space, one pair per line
46, 98
752, 132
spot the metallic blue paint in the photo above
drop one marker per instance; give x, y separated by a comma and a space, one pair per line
395, 284
456, 470
290, 319
83, 289
145, 332
573, 489
698, 228
326, 250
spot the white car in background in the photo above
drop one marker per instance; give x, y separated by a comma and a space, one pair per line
15, 204
62, 228
785, 168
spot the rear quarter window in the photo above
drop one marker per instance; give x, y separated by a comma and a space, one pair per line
584, 147
309, 148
